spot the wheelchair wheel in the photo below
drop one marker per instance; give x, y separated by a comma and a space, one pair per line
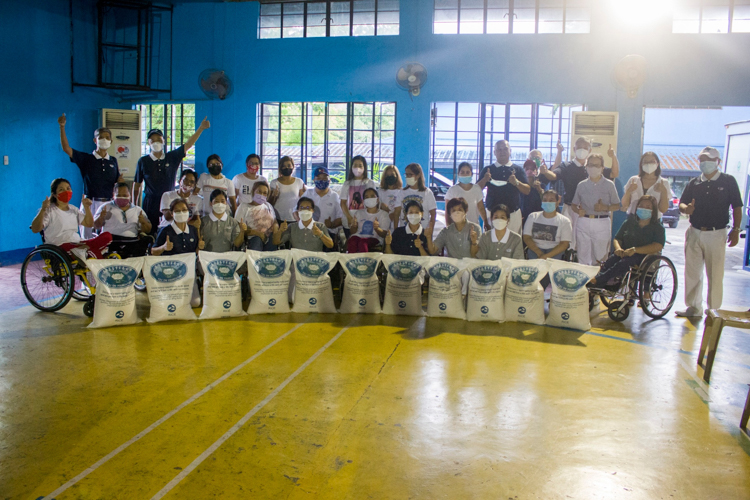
88, 308
47, 278
658, 286
84, 288
617, 314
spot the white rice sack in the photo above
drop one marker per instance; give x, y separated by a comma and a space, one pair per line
524, 296
403, 286
445, 299
169, 282
115, 293
486, 299
269, 274
569, 302
222, 292
312, 290
361, 289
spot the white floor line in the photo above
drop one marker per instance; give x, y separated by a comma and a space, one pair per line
195, 463
166, 417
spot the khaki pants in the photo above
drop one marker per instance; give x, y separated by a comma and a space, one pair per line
568, 212
593, 237
704, 249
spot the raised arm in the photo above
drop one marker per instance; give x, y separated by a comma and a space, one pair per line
193, 138
615, 163
63, 137
38, 223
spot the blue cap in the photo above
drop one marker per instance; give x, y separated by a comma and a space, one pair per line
154, 131
319, 170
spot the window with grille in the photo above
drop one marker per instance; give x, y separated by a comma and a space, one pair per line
511, 16
711, 16
468, 131
327, 134
329, 18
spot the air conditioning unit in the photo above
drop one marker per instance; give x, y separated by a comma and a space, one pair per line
125, 125
599, 127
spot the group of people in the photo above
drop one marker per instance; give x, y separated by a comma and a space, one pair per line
518, 216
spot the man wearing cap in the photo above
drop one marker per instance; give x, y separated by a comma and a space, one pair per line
505, 182
706, 200
327, 203
573, 172
159, 171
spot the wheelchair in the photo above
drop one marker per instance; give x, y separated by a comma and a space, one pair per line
652, 283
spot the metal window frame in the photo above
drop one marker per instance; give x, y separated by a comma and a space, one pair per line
328, 17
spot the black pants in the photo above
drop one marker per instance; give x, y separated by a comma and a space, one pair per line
130, 247
615, 267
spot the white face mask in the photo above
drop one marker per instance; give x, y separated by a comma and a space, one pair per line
371, 202
181, 216
649, 168
582, 154
414, 219
103, 143
357, 171
411, 181
594, 172
157, 147
458, 216
305, 215
499, 224
219, 208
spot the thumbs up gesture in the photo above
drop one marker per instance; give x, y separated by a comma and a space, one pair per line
473, 236
353, 224
106, 213
142, 219
328, 222
205, 124
45, 203
316, 230
201, 243
376, 225
418, 243
62, 120
388, 238
601, 207
86, 202
611, 152
632, 187
560, 147
690, 208
283, 226
168, 246
243, 226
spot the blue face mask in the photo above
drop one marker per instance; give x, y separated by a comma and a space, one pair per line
549, 206
643, 213
464, 179
708, 167
322, 185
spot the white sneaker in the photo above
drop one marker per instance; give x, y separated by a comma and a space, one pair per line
690, 312
80, 254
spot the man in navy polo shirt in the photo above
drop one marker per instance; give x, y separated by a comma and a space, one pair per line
99, 170
158, 171
505, 182
707, 200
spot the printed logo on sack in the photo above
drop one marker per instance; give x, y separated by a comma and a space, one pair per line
565, 316
270, 267
443, 307
485, 309
223, 269
168, 271
402, 304
227, 304
570, 280
117, 276
521, 310
486, 275
313, 301
312, 267
524, 275
272, 302
443, 272
363, 302
171, 308
404, 270
363, 267
120, 314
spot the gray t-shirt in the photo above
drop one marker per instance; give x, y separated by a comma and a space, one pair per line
588, 194
304, 239
219, 235
511, 248
457, 242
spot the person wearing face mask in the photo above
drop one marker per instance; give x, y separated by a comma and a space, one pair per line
707, 200
408, 239
648, 181
390, 193
641, 234
532, 202
219, 231
125, 222
306, 234
99, 170
470, 192
573, 172
243, 183
327, 202
179, 236
547, 233
370, 224
260, 219
286, 190
460, 236
157, 170
352, 191
60, 220
500, 241
188, 179
214, 179
505, 182
416, 190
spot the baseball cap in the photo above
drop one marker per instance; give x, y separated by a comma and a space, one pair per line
154, 131
320, 170
712, 153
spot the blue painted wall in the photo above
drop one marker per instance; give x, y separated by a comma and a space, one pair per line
683, 70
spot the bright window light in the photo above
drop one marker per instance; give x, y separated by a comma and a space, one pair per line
641, 12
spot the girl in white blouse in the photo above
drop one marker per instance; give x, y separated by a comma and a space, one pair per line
648, 182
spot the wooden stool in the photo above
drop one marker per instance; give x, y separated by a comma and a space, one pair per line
716, 320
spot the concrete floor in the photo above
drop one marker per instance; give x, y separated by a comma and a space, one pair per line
337, 406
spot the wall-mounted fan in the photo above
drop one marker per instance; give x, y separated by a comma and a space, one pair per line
630, 74
215, 84
412, 77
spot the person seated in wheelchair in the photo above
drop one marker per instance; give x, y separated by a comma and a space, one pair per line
220, 232
60, 220
460, 235
306, 234
369, 226
179, 236
260, 218
126, 222
548, 233
640, 235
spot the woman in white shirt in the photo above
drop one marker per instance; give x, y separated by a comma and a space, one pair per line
286, 190
260, 218
470, 192
353, 190
214, 179
390, 193
648, 182
125, 222
243, 183
416, 190
370, 225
